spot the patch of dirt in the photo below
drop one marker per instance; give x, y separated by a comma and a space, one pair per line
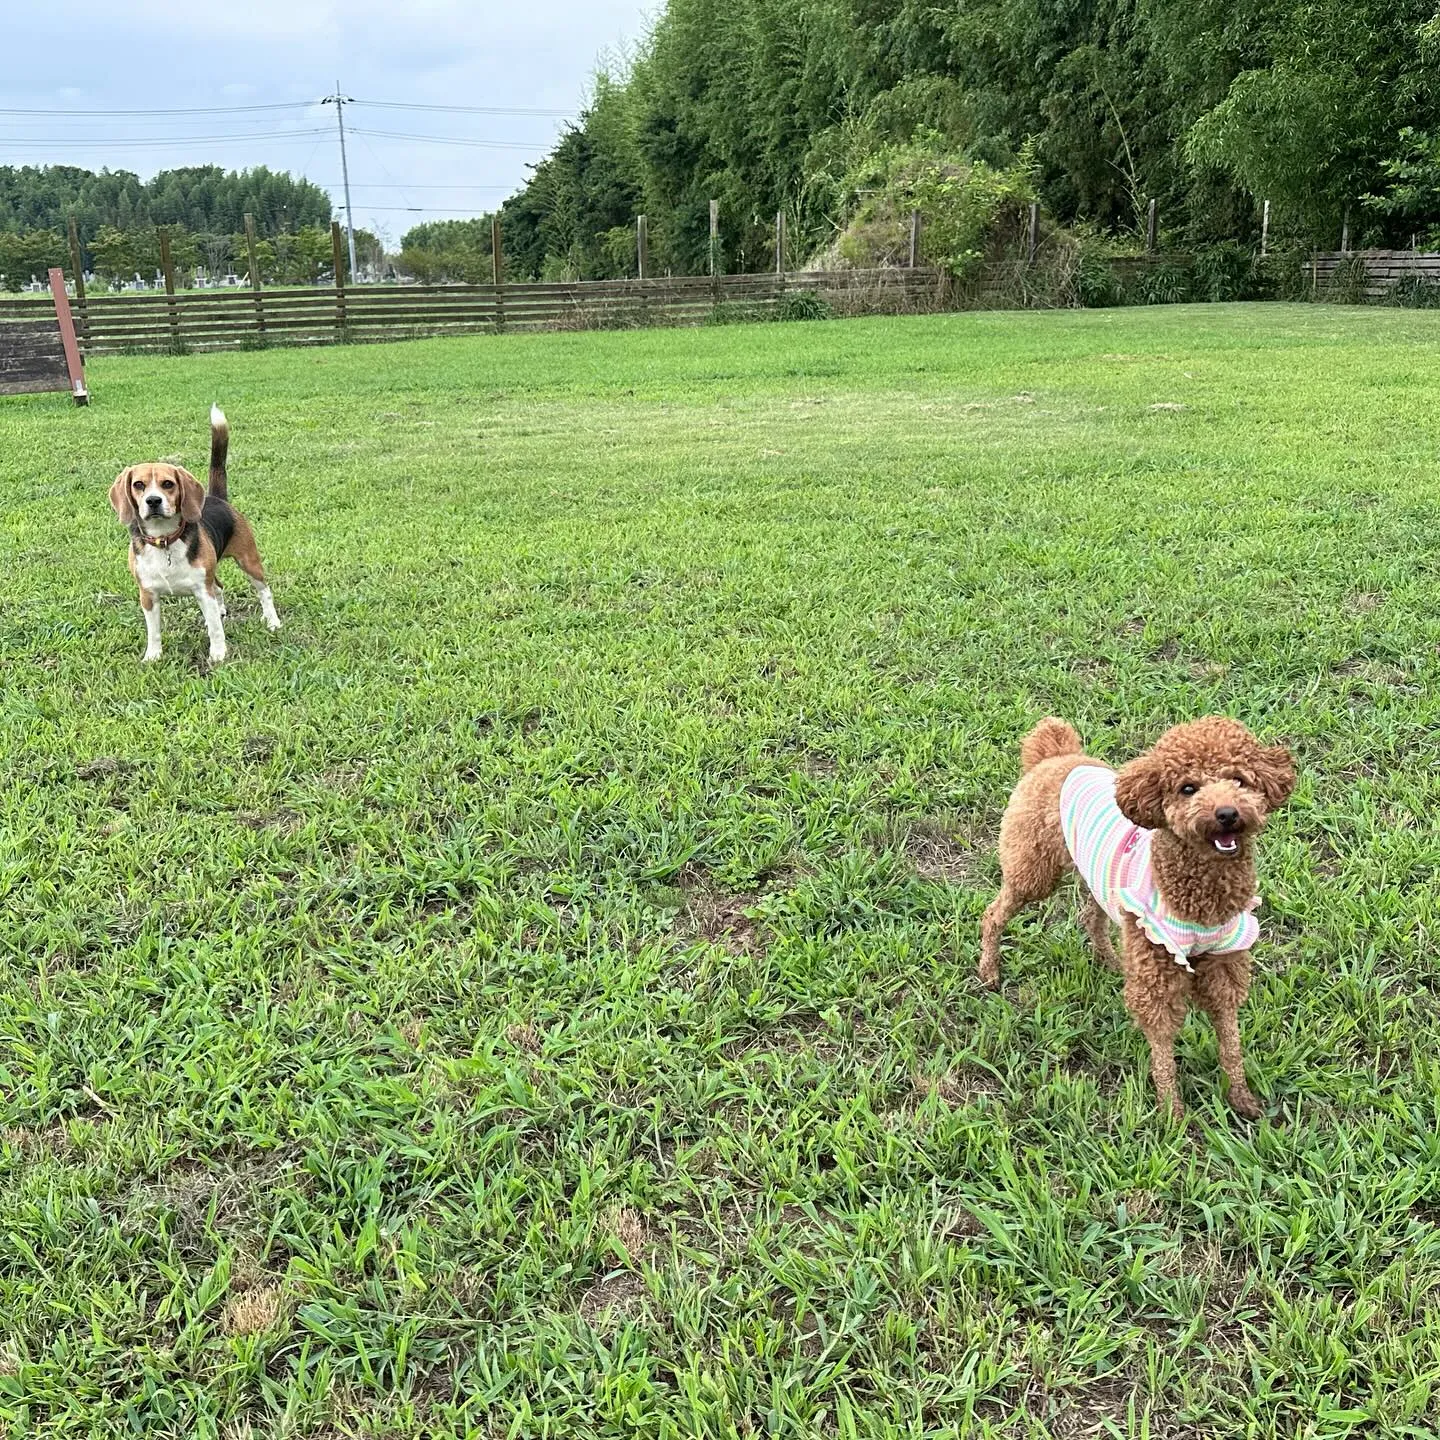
522, 722
1100, 1408
190, 1187
102, 766
1362, 602
620, 1295
287, 822
948, 853
1202, 671
717, 917
1167, 405
345, 777
1091, 668
257, 749
957, 1087
819, 767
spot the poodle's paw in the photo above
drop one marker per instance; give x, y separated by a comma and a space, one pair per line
989, 973
1172, 1108
1244, 1103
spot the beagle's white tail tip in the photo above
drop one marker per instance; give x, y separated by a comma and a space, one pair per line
217, 418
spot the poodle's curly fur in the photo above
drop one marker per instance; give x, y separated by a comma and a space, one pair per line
1207, 756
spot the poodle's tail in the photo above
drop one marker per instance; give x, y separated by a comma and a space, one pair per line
1051, 737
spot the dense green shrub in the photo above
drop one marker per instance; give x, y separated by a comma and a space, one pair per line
1347, 282
1414, 292
1163, 283
1227, 271
803, 305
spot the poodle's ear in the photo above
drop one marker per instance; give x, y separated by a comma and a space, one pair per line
122, 501
1140, 792
1275, 771
192, 494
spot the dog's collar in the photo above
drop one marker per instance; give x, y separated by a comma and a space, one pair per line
161, 542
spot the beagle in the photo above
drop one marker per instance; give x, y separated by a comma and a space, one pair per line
179, 533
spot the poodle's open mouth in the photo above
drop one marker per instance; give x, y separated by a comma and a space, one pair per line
1226, 844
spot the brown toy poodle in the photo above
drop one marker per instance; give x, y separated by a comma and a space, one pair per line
1165, 850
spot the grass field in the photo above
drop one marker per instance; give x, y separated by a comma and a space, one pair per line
533, 994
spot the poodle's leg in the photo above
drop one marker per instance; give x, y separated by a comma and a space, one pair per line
1097, 927
998, 915
1221, 985
1033, 882
1033, 857
1155, 996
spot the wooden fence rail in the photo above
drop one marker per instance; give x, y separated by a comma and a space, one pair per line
250, 318
1383, 268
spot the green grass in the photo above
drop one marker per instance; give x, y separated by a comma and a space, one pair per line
533, 994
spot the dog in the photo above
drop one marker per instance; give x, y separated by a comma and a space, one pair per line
179, 533
1165, 849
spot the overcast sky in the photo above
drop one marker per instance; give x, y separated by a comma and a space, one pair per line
164, 56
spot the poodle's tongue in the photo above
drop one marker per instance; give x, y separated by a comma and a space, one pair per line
1226, 844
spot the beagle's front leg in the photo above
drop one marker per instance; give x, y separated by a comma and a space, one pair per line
214, 614
150, 606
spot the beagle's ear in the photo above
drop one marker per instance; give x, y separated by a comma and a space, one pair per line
192, 494
1140, 792
122, 501
1275, 771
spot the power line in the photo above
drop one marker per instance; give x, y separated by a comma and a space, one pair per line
396, 185
466, 109
204, 110
447, 140
426, 210
293, 105
149, 141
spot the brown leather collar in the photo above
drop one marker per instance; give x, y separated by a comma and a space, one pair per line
160, 542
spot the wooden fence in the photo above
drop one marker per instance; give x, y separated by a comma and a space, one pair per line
1383, 268
41, 352
251, 318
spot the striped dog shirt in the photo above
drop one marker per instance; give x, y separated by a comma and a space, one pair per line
1113, 857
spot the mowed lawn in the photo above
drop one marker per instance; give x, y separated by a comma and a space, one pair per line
533, 994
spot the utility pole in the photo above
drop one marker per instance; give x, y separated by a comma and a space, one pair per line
340, 101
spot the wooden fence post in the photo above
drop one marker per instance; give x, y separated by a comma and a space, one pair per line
497, 272
642, 247
1265, 230
714, 250
1345, 233
1151, 227
74, 365
167, 269
779, 254
1034, 241
77, 262
255, 287
337, 250
914, 238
